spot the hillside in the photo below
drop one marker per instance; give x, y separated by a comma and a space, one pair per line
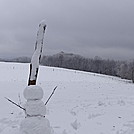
83, 102
122, 69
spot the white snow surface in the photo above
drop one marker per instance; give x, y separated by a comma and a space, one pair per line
35, 63
35, 111
33, 92
36, 107
40, 34
83, 102
35, 125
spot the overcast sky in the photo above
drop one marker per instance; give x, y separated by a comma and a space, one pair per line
90, 28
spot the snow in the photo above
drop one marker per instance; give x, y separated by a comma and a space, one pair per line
35, 125
35, 111
33, 92
40, 34
82, 103
35, 63
35, 108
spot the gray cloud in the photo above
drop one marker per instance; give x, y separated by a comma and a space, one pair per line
87, 27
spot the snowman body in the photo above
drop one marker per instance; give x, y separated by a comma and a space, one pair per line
35, 111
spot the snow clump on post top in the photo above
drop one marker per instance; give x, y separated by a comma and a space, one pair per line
33, 92
41, 31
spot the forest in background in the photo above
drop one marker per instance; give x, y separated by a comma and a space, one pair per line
123, 69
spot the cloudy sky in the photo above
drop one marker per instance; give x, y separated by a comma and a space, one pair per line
90, 28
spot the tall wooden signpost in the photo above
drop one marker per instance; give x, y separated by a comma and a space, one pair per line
35, 61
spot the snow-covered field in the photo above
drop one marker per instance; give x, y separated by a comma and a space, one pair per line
84, 103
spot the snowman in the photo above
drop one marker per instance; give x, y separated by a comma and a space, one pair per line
35, 121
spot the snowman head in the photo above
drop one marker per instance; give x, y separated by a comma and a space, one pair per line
33, 92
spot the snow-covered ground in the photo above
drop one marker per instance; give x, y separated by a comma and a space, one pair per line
84, 103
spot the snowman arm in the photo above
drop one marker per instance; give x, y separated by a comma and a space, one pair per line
51, 95
15, 103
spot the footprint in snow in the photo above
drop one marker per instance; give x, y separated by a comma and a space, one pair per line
73, 113
76, 125
64, 132
127, 128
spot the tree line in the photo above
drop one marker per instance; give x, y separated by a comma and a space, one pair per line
123, 69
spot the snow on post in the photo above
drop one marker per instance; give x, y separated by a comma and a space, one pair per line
34, 66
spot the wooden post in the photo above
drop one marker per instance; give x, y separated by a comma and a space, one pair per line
34, 65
